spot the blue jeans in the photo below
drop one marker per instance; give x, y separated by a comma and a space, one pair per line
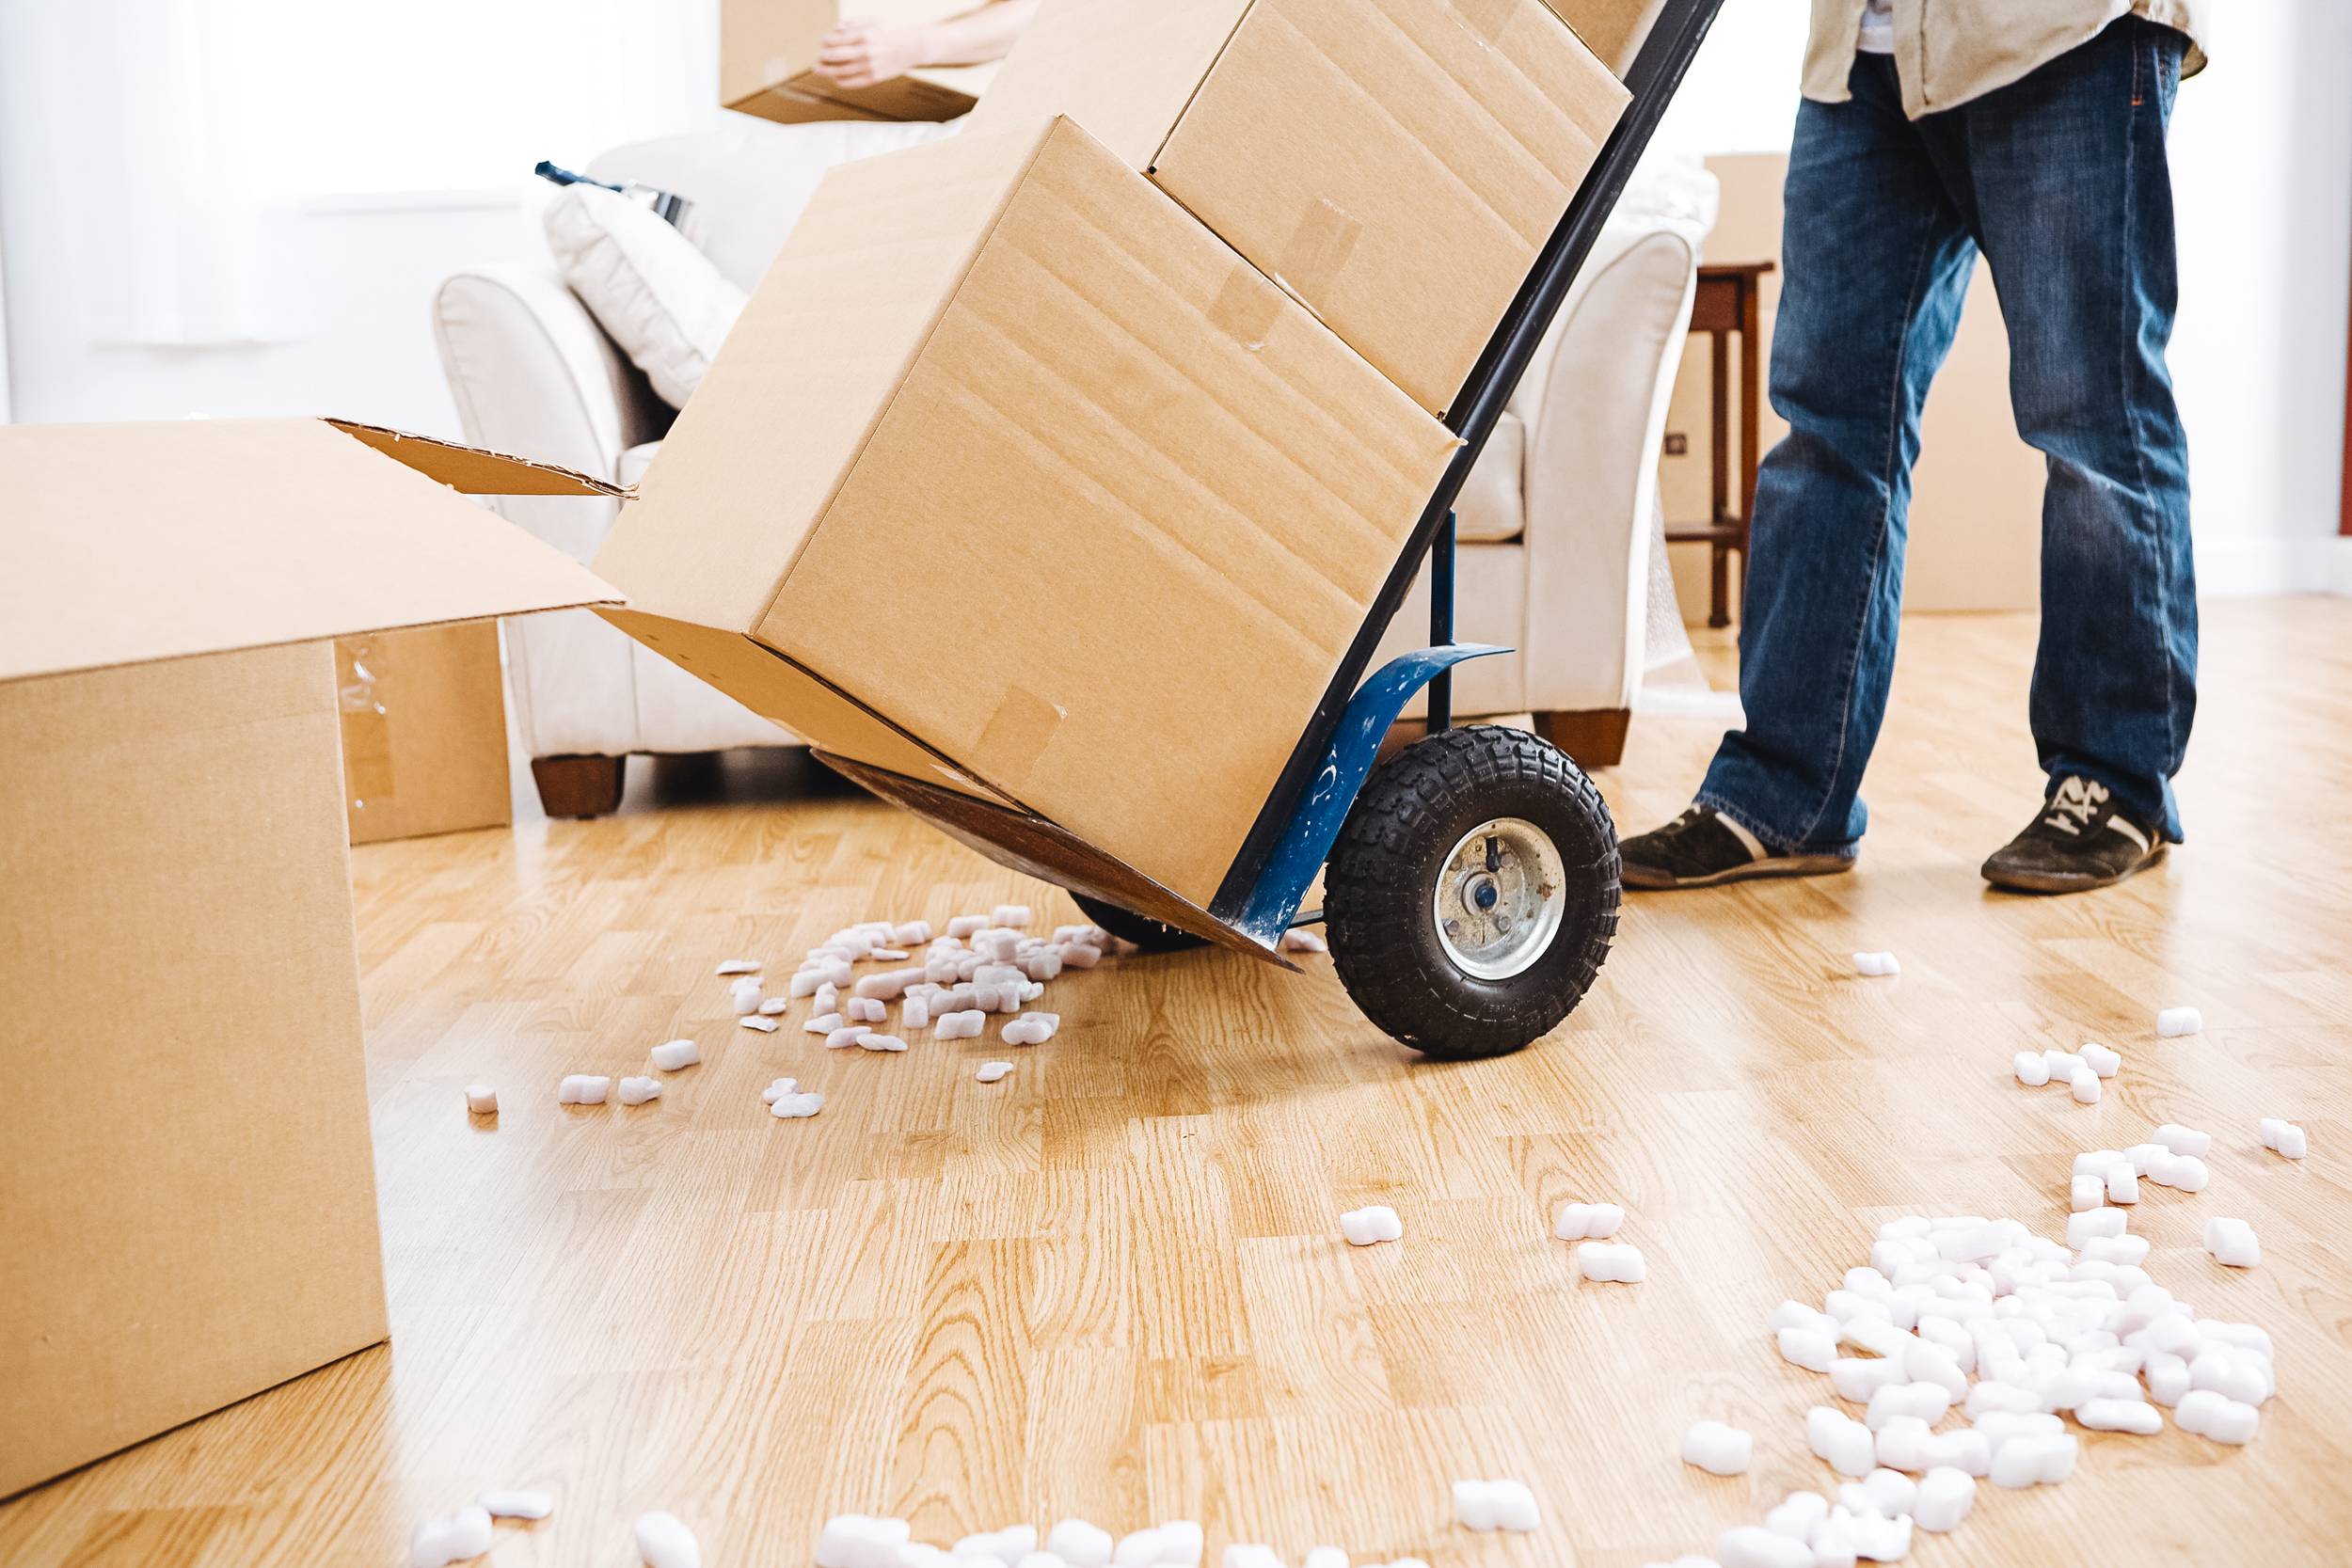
2060, 180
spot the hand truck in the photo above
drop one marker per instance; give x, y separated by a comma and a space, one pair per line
1471, 879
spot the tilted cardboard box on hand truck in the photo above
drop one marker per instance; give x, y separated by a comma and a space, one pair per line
1018, 480
187, 1197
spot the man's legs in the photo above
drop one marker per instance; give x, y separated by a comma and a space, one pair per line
2072, 202
1878, 264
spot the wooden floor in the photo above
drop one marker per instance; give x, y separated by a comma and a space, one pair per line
1113, 1284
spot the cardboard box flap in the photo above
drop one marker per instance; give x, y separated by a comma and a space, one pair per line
1123, 69
475, 470
122, 544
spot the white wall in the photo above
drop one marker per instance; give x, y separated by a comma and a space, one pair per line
237, 207
2262, 157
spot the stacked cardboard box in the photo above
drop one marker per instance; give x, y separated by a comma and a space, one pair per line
187, 1198
1057, 465
768, 58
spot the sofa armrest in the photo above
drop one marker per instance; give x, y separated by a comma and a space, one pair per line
1594, 410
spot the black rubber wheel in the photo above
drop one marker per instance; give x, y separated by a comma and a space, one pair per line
1462, 942
1153, 936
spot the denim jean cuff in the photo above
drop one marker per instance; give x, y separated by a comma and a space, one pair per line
1777, 842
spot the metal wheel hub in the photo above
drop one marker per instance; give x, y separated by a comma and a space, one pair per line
1499, 898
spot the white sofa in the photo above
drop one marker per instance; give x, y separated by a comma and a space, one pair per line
1556, 522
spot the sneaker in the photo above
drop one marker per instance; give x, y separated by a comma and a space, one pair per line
2080, 841
1703, 848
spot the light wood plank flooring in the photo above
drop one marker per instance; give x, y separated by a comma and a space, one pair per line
1113, 1284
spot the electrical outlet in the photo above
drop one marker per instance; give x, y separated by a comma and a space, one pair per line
1678, 444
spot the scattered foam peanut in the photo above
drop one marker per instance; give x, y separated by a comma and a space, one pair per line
1300, 940
1855, 1379
2232, 1243
888, 985
865, 1010
2029, 1068
827, 999
1807, 1348
2083, 1084
1876, 964
1080, 1544
995, 945
2100, 1059
1944, 1500
1611, 1262
2086, 1193
1324, 1557
1717, 1449
914, 933
2122, 1183
2280, 1137
2033, 1460
670, 1055
871, 1041
823, 1023
636, 1091
2215, 1415
991, 1071
583, 1088
1080, 954
2096, 1222
1370, 1225
664, 1541
1013, 917
2135, 1415
804, 982
957, 1026
1925, 1401
2180, 1172
1587, 1222
2174, 1022
458, 1538
1495, 1505
887, 956
794, 1107
2063, 1064
856, 1540
482, 1100
745, 994
2116, 1249
847, 1036
1753, 1547
779, 1088
1845, 1443
1883, 1491
2182, 1140
963, 926
740, 966
760, 1022
914, 1013
1032, 1029
517, 1505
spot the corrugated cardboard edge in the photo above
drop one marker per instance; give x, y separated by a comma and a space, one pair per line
478, 470
1240, 17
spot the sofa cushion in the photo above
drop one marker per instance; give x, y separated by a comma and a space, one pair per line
655, 295
634, 462
1490, 509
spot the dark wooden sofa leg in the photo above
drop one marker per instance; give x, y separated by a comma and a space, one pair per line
581, 785
1595, 737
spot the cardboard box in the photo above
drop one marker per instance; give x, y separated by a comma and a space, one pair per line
423, 721
768, 54
1013, 478
1396, 164
1612, 29
188, 1197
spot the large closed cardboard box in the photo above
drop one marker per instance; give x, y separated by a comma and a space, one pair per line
1395, 164
424, 711
1014, 478
768, 56
187, 1196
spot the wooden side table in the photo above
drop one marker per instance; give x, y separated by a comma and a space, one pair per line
1727, 304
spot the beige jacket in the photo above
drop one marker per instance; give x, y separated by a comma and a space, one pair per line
1948, 52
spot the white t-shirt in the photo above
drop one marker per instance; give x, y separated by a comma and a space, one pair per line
1878, 28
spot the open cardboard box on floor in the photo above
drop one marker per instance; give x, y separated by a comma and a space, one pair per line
1014, 481
767, 57
1395, 164
187, 1196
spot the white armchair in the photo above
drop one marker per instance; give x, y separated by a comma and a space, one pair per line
1555, 524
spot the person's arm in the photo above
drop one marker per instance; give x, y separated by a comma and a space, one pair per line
860, 53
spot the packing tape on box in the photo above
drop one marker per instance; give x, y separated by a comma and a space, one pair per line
1487, 18
1247, 308
367, 729
1318, 248
1014, 738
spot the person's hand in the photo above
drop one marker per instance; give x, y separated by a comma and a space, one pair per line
860, 53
